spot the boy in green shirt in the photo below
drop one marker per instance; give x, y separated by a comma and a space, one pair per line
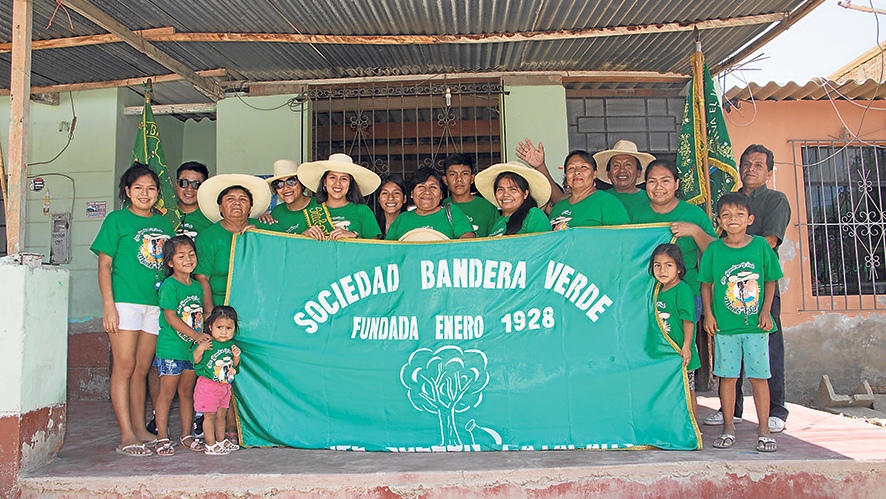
458, 175
736, 312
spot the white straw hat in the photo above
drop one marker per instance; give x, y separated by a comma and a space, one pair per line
621, 147
283, 168
539, 187
311, 173
423, 234
207, 194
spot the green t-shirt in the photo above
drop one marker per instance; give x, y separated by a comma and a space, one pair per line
675, 306
480, 212
217, 362
683, 212
600, 208
187, 302
356, 218
214, 257
135, 244
738, 275
629, 200
535, 221
192, 224
438, 221
288, 221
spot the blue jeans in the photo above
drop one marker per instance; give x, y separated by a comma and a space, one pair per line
776, 368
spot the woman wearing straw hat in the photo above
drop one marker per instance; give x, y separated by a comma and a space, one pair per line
427, 193
624, 170
231, 201
289, 215
518, 191
340, 187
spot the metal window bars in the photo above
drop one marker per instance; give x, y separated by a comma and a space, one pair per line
844, 183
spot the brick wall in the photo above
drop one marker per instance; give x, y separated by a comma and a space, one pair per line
652, 123
89, 360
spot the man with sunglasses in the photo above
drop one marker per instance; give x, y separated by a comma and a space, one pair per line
190, 176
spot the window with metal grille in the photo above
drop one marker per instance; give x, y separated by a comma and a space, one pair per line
400, 127
845, 186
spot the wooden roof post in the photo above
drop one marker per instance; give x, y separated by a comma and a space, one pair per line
19, 110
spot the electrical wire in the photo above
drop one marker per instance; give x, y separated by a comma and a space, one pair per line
294, 104
70, 135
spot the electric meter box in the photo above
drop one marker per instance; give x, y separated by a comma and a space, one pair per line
60, 239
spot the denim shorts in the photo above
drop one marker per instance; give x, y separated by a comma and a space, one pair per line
173, 367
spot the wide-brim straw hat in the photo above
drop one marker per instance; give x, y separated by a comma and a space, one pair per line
621, 147
207, 194
283, 168
311, 173
423, 234
539, 187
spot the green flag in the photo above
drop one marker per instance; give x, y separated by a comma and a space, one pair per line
699, 109
149, 151
543, 341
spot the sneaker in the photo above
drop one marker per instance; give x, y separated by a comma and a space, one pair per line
152, 425
716, 419
198, 426
776, 425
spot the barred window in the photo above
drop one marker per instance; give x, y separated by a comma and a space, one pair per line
844, 187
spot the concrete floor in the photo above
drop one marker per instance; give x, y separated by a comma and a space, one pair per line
822, 454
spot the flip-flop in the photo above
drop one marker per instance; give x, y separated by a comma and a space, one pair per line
164, 447
195, 444
724, 441
232, 437
763, 442
134, 450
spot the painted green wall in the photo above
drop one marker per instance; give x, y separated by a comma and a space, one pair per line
199, 143
539, 114
33, 336
249, 140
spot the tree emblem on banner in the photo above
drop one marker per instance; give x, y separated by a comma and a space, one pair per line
445, 382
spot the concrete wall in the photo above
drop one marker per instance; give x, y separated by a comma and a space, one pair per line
847, 345
33, 337
538, 113
250, 139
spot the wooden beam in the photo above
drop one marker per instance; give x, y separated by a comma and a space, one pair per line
767, 37
621, 92
80, 41
19, 121
168, 34
76, 87
95, 15
172, 109
525, 36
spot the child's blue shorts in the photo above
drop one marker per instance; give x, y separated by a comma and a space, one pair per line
731, 349
168, 367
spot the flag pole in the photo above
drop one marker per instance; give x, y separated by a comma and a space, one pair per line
700, 102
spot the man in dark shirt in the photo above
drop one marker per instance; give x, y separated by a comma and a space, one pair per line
771, 212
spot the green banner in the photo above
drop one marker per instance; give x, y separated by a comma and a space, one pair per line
148, 150
703, 109
514, 343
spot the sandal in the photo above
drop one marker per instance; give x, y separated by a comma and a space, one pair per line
194, 445
232, 437
724, 441
134, 450
217, 449
231, 446
164, 447
766, 444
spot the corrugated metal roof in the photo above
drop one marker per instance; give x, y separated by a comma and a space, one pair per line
817, 89
260, 61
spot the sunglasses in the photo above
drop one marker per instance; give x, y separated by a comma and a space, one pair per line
278, 184
184, 183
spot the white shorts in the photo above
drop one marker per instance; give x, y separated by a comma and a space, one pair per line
138, 317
